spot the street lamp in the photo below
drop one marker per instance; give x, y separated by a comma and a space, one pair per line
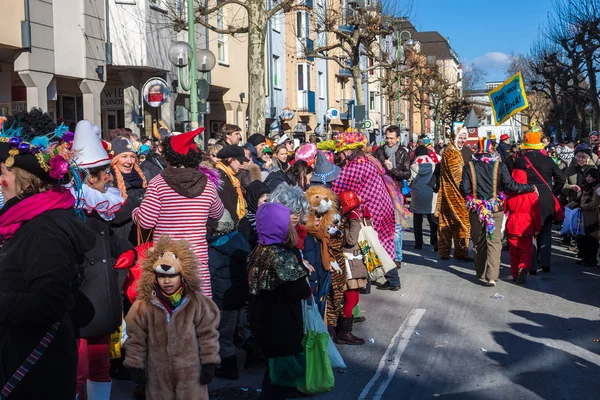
182, 55
400, 55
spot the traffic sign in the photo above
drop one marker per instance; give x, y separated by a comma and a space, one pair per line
332, 113
368, 124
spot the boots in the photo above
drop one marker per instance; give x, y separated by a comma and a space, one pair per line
332, 330
228, 369
98, 390
345, 335
254, 355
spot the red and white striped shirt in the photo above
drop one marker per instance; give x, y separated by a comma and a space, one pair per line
180, 217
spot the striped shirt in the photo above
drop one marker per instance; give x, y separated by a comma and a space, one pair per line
180, 217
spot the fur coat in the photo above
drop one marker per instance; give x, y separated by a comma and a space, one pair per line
163, 344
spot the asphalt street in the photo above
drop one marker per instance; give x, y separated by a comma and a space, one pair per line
447, 335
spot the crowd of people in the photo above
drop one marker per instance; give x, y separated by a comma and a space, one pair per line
189, 258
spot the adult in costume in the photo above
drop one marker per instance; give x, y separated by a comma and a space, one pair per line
552, 183
43, 243
451, 210
362, 176
485, 178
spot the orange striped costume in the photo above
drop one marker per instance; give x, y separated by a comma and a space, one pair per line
451, 208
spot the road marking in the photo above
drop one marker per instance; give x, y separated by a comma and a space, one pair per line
398, 345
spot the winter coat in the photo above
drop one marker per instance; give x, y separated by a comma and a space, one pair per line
590, 202
228, 276
552, 175
524, 217
99, 282
276, 178
487, 183
228, 196
402, 170
355, 266
504, 150
423, 199
37, 269
122, 224
575, 176
276, 318
152, 165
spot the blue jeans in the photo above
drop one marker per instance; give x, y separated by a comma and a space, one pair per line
398, 241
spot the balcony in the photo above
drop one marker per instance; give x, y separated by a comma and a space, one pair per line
306, 101
346, 28
305, 3
305, 46
345, 73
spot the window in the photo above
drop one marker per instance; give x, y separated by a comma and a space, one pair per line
276, 71
221, 53
277, 21
302, 24
322, 88
303, 77
370, 64
371, 100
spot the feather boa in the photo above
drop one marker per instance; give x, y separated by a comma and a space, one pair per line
212, 175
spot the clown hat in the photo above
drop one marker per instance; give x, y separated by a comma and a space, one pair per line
183, 143
324, 171
532, 141
485, 146
89, 151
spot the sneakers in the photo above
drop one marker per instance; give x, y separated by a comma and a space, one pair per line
491, 283
387, 286
522, 277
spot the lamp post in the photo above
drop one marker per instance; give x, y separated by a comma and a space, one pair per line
400, 55
184, 54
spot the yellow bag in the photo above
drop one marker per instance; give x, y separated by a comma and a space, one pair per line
115, 344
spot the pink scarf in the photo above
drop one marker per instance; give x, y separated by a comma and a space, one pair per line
31, 207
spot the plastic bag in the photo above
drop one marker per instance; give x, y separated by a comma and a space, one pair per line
315, 322
573, 223
316, 343
376, 258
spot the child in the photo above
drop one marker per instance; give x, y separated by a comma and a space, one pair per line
524, 222
277, 281
590, 201
173, 342
355, 267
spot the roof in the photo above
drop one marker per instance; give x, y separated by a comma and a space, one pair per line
471, 120
434, 44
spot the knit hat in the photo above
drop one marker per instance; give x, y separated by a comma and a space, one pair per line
121, 145
324, 171
421, 151
585, 148
272, 222
89, 152
225, 224
532, 141
485, 146
256, 139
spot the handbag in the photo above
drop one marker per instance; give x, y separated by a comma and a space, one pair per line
375, 256
319, 372
559, 213
33, 358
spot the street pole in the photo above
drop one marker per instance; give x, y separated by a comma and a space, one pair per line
399, 51
193, 73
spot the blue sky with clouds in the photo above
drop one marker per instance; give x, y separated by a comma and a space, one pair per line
483, 31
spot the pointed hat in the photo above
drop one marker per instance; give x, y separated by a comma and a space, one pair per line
89, 151
183, 143
324, 171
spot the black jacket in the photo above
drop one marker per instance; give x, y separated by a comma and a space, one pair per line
249, 232
504, 150
485, 181
551, 173
152, 165
228, 275
37, 269
99, 280
402, 170
228, 196
276, 178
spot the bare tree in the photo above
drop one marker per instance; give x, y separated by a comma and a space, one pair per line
473, 77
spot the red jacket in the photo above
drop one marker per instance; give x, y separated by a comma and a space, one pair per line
524, 214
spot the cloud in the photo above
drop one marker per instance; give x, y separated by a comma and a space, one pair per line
492, 60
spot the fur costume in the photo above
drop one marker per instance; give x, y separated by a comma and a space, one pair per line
335, 297
451, 209
163, 344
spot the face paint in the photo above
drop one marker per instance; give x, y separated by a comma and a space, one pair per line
4, 183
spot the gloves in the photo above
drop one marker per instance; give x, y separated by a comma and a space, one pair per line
335, 266
207, 374
138, 375
126, 260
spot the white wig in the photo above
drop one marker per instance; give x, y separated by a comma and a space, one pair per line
292, 197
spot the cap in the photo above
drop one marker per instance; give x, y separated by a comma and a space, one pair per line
232, 151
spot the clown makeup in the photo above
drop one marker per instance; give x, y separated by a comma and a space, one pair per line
460, 140
98, 180
125, 162
169, 284
7, 179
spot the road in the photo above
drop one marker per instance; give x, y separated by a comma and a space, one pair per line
447, 335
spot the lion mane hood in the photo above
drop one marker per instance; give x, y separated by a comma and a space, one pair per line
185, 257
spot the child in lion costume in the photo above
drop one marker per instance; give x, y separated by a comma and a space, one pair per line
173, 343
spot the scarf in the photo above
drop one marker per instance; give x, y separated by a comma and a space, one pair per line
133, 180
323, 236
32, 206
241, 203
301, 231
170, 301
390, 153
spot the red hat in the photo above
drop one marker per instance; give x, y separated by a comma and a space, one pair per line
504, 136
348, 201
184, 142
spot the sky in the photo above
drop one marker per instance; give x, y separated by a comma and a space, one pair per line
481, 31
